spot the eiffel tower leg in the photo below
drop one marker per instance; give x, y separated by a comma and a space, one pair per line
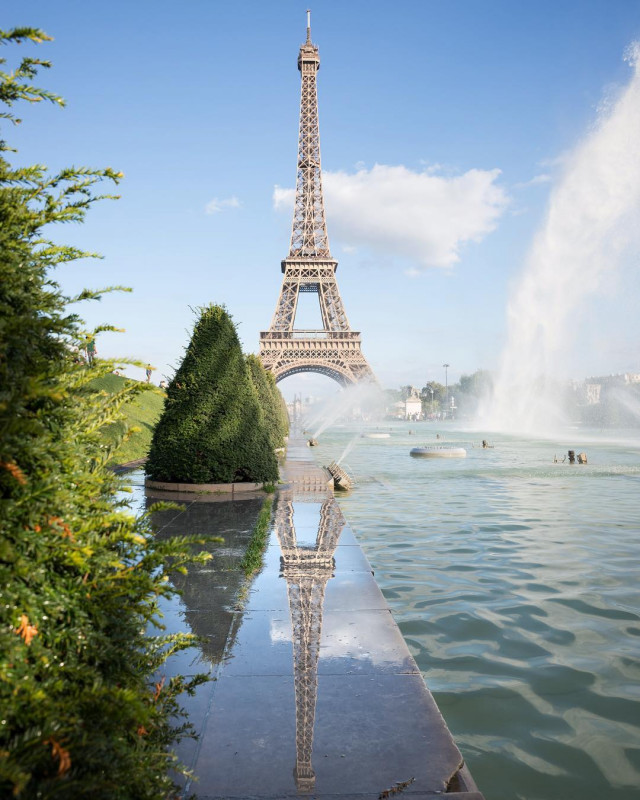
334, 317
286, 307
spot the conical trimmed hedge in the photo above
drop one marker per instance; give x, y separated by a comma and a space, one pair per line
212, 429
271, 401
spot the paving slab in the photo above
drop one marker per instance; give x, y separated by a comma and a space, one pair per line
350, 591
358, 745
356, 642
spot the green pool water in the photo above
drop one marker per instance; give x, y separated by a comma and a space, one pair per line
515, 582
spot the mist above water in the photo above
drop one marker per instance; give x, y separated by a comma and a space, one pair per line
592, 228
363, 400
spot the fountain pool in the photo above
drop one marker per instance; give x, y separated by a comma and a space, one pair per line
514, 581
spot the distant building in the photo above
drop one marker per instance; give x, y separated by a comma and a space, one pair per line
412, 408
409, 391
620, 379
591, 393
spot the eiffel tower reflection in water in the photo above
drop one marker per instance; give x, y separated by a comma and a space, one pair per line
306, 569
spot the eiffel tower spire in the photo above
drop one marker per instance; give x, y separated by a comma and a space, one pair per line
335, 349
309, 231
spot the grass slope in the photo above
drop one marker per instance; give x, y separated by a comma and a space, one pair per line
142, 414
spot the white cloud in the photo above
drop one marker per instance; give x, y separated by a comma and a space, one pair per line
423, 216
283, 199
553, 161
216, 205
535, 181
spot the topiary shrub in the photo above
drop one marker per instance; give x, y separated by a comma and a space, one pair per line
271, 401
212, 429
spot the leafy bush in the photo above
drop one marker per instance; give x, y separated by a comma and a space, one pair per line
80, 577
271, 401
212, 429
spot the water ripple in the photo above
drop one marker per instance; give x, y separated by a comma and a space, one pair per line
513, 581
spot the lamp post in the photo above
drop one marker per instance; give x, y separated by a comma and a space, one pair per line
446, 388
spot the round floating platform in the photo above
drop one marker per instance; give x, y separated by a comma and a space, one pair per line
438, 451
376, 435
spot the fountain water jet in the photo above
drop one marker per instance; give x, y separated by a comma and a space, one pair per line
348, 449
590, 227
357, 396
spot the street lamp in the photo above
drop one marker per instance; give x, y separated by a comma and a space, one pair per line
446, 387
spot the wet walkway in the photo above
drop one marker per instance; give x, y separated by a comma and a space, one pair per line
317, 694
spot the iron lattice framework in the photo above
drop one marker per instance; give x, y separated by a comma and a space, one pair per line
335, 350
306, 570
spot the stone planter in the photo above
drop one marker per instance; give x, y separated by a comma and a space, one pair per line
229, 489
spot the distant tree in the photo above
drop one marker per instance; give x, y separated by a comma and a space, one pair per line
271, 401
212, 429
389, 398
439, 395
470, 390
479, 384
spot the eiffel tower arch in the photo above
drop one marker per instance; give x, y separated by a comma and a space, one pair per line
334, 350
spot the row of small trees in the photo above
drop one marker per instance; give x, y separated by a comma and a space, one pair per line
468, 393
224, 418
80, 575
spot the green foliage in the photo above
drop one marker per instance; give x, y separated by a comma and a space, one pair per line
439, 395
471, 390
392, 396
271, 402
252, 560
80, 576
479, 384
212, 429
131, 435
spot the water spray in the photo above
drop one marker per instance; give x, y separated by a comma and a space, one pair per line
590, 233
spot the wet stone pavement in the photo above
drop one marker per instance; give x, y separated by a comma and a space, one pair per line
314, 692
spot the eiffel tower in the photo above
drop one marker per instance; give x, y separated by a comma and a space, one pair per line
306, 570
333, 351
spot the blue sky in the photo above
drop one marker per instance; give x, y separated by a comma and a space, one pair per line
461, 110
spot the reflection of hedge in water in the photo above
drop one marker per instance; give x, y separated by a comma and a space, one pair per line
209, 591
212, 429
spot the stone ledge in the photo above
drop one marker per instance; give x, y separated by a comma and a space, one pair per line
204, 488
